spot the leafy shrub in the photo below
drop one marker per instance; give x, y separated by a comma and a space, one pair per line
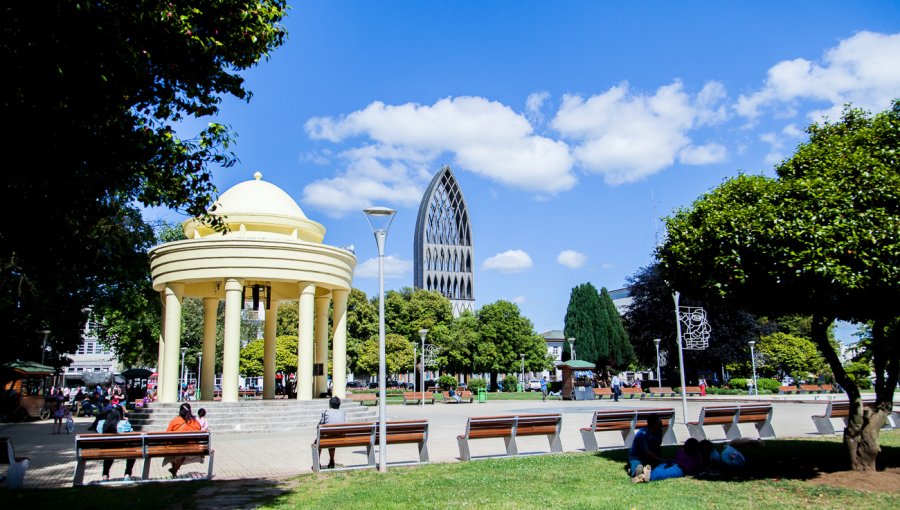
477, 383
712, 390
446, 382
510, 383
767, 385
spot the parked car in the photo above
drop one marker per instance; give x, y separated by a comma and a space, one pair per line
533, 385
356, 384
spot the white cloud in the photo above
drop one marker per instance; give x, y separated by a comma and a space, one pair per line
777, 143
403, 142
510, 261
393, 268
533, 105
518, 300
861, 70
626, 136
703, 154
571, 259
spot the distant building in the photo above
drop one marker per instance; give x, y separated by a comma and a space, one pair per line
442, 252
554, 340
622, 299
91, 356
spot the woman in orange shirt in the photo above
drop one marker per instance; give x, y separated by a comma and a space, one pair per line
184, 422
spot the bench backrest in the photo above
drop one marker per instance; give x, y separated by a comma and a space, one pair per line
346, 434
464, 394
754, 413
663, 389
632, 390
404, 431
718, 413
602, 391
490, 426
665, 414
362, 396
164, 444
125, 445
810, 387
692, 389
612, 420
538, 424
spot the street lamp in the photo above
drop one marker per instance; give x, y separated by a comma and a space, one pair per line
380, 219
676, 297
572, 348
181, 385
199, 372
753, 362
422, 333
523, 372
46, 333
658, 379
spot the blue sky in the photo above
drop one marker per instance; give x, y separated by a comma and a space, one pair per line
571, 126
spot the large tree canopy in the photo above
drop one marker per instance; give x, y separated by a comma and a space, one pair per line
821, 239
94, 90
504, 336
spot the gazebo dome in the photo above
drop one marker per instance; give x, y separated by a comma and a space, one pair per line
257, 208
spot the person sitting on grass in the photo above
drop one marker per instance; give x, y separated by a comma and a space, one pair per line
688, 461
646, 450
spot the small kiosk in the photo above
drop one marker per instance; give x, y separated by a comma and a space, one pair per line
576, 385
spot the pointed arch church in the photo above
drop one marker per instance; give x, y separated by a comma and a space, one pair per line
442, 250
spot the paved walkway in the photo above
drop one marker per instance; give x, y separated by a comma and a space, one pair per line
278, 455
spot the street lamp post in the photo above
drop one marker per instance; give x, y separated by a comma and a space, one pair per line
753, 362
46, 333
676, 296
572, 348
523, 372
199, 371
422, 333
380, 219
658, 378
181, 383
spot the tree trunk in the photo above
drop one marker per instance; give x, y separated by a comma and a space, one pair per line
863, 424
493, 381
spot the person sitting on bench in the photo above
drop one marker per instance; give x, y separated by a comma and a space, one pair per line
332, 415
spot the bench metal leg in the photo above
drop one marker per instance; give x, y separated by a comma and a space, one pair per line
212, 455
697, 431
370, 453
511, 448
79, 473
765, 430
316, 466
145, 472
590, 440
628, 436
463, 448
732, 431
669, 435
423, 452
555, 442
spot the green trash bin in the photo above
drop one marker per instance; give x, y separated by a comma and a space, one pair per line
482, 395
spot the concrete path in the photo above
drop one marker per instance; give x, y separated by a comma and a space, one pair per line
279, 455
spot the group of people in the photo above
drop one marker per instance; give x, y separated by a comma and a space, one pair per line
114, 420
646, 463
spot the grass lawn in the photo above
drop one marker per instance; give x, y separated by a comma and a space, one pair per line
779, 476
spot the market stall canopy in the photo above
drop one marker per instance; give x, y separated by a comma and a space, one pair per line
577, 364
26, 368
137, 373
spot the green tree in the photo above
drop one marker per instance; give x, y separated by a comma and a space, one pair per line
285, 356
288, 318
458, 345
584, 322
104, 83
820, 239
619, 353
504, 336
398, 355
783, 354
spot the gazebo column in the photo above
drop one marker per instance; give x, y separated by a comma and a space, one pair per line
305, 345
269, 351
322, 303
234, 295
208, 372
339, 344
160, 364
173, 292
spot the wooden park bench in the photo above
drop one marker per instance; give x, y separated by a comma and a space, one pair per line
414, 397
787, 390
632, 392
341, 435
841, 409
760, 415
662, 391
692, 391
15, 474
364, 398
407, 432
141, 445
465, 397
599, 393
508, 428
810, 388
627, 422
827, 388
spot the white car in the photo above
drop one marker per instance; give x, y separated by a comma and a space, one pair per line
534, 385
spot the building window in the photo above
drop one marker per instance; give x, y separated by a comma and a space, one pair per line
89, 347
80, 349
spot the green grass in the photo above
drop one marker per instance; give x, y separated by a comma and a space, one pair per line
776, 478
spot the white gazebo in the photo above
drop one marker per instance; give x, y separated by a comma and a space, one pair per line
271, 252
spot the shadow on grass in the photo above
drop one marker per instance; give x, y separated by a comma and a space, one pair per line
218, 494
795, 459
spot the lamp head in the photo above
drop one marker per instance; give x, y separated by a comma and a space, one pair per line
379, 218
422, 333
657, 342
751, 343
